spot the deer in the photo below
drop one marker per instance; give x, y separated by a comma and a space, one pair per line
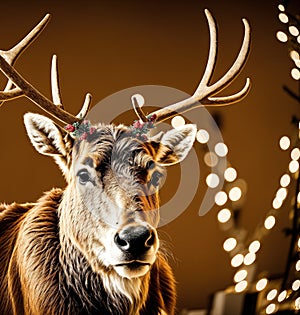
93, 246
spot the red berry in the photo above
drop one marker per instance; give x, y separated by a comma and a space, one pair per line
92, 130
83, 136
138, 125
153, 117
70, 128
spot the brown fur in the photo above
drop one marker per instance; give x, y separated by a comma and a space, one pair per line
93, 247
38, 275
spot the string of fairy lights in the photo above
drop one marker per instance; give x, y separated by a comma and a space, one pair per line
291, 34
244, 255
244, 252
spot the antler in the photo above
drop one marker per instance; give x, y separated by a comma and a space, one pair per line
205, 93
17, 86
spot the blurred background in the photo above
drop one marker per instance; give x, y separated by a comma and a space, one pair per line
104, 47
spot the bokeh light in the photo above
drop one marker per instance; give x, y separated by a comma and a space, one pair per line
202, 136
224, 215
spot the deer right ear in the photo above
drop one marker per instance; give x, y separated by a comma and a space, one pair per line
47, 138
175, 144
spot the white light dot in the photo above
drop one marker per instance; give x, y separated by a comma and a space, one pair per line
297, 304
254, 247
295, 73
285, 180
297, 265
270, 308
212, 180
241, 286
282, 296
271, 295
297, 63
235, 193
293, 166
281, 193
202, 136
283, 17
296, 285
230, 174
281, 36
284, 142
220, 198
210, 159
269, 222
295, 154
249, 259
277, 203
237, 260
240, 275
221, 149
177, 121
293, 30
230, 244
299, 242
281, 7
294, 55
224, 215
298, 39
261, 284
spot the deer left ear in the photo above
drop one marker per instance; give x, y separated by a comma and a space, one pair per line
176, 144
48, 139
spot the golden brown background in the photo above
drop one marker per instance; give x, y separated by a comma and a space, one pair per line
107, 46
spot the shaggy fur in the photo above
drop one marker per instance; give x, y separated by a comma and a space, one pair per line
39, 275
65, 254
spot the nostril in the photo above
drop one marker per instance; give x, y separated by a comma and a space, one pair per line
135, 239
121, 243
150, 241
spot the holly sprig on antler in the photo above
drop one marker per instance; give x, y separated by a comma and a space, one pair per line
81, 130
140, 129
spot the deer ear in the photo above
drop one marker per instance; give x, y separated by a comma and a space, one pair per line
47, 138
176, 144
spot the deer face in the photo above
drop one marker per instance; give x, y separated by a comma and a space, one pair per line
110, 206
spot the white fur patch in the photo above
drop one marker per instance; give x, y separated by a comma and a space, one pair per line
44, 135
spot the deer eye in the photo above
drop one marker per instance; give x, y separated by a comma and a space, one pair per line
83, 176
155, 178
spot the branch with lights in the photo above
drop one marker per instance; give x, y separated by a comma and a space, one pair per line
276, 295
280, 294
244, 253
283, 294
290, 35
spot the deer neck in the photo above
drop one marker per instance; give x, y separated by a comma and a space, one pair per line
98, 286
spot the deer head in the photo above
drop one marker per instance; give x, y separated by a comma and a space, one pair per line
109, 209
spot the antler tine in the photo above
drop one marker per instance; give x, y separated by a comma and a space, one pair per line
18, 86
138, 110
15, 51
56, 94
25, 88
227, 100
204, 94
237, 66
12, 54
85, 107
212, 56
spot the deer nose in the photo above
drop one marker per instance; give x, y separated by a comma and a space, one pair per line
135, 239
